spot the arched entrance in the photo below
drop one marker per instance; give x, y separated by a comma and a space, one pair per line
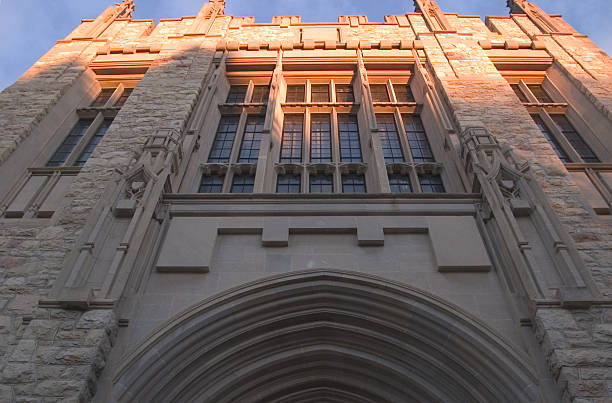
325, 336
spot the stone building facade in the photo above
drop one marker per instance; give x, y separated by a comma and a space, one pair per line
217, 209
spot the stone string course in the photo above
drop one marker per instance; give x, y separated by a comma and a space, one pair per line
53, 355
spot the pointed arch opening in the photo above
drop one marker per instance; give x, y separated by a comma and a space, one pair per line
325, 335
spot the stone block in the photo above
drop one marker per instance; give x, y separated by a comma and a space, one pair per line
125, 208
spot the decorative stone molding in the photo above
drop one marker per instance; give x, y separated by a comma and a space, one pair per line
403, 337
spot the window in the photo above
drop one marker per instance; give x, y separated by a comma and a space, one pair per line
93, 142
124, 97
353, 183
403, 93
319, 93
348, 130
320, 139
379, 92
211, 184
295, 93
224, 139
551, 139
519, 93
538, 91
243, 184
103, 97
260, 94
581, 147
344, 93
288, 184
417, 139
251, 141
400, 184
389, 139
321, 184
431, 183
291, 146
237, 94
65, 149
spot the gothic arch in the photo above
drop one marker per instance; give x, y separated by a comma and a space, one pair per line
325, 336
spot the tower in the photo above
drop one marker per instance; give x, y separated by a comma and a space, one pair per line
217, 209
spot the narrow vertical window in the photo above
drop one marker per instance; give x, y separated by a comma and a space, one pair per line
538, 91
237, 94
103, 97
224, 139
389, 139
400, 184
344, 93
348, 130
93, 142
124, 97
251, 141
260, 94
321, 184
319, 93
403, 93
211, 184
295, 93
243, 184
379, 92
431, 183
291, 146
417, 139
63, 151
353, 183
517, 90
320, 139
288, 184
553, 141
570, 133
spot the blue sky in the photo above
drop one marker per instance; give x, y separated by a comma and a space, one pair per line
28, 28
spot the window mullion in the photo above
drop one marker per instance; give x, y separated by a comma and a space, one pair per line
115, 97
306, 136
403, 137
335, 136
91, 131
239, 136
527, 92
250, 90
561, 139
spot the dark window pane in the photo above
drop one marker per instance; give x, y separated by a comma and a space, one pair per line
320, 139
431, 183
400, 184
251, 141
553, 141
344, 93
379, 92
417, 139
237, 94
243, 184
353, 184
124, 97
570, 133
403, 93
103, 97
64, 150
321, 184
288, 184
389, 139
211, 184
291, 146
295, 93
260, 94
348, 131
538, 91
224, 139
319, 93
93, 142
519, 93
